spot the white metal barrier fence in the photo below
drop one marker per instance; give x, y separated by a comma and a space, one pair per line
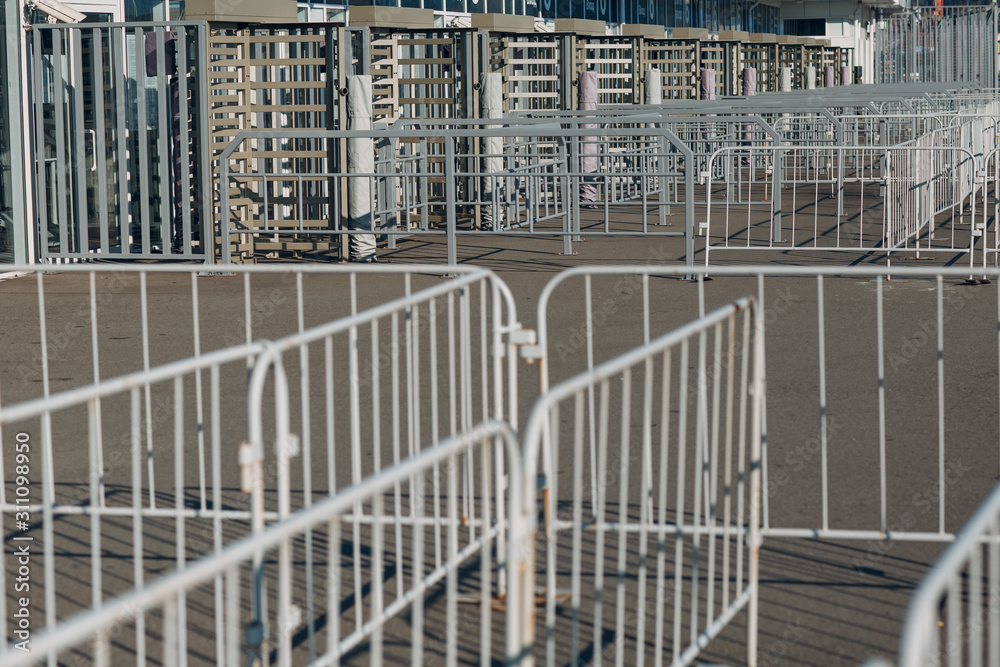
954, 618
893, 356
338, 627
157, 484
88, 479
439, 362
77, 324
657, 514
897, 375
904, 199
538, 186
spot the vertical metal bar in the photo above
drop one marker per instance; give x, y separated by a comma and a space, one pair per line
97, 378
417, 635
377, 569
232, 637
623, 506
976, 604
144, 309
993, 595
592, 413
757, 443
137, 529
183, 120
680, 498
451, 593
199, 408
451, 210
101, 647
121, 151
100, 132
881, 406
143, 187
435, 420
576, 557
821, 308
41, 172
163, 141
661, 584
452, 370
181, 627
62, 157
203, 197
356, 474
486, 565
600, 522
940, 373
214, 390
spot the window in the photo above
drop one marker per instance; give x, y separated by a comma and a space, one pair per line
806, 27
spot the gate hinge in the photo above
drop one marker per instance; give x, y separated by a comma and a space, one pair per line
527, 341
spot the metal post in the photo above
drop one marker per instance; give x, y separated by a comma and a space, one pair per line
451, 209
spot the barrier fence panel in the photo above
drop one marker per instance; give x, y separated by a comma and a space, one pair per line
665, 453
910, 199
380, 385
991, 201
78, 324
881, 391
541, 187
895, 339
954, 617
649, 477
347, 604
161, 485
108, 492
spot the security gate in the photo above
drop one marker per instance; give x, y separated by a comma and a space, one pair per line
120, 150
938, 44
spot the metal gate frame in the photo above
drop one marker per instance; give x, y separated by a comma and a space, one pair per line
724, 511
152, 185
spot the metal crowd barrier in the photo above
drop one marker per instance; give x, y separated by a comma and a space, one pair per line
167, 619
71, 342
658, 513
655, 431
153, 482
918, 334
540, 182
911, 198
440, 362
954, 617
632, 164
98, 511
